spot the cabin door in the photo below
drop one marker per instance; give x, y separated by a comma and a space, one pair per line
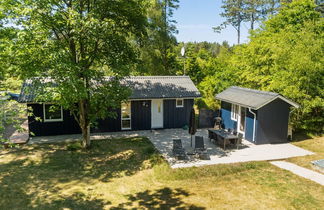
157, 113
241, 120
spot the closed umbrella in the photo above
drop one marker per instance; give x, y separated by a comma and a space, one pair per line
192, 124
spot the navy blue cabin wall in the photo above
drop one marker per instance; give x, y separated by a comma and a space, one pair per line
109, 124
141, 115
67, 126
176, 117
272, 126
226, 116
140, 118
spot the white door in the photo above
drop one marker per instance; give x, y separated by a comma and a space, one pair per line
157, 113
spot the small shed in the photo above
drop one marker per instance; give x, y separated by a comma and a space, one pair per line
261, 116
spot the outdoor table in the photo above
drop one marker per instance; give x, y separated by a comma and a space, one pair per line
223, 134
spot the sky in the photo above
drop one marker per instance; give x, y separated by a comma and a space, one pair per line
196, 19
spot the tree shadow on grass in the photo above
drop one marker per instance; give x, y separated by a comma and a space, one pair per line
31, 175
300, 136
165, 198
75, 201
106, 159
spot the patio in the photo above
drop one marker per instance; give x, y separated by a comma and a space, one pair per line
162, 140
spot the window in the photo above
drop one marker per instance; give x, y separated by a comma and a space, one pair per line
234, 112
179, 103
126, 116
52, 113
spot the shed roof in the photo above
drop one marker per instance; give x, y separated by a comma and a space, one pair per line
143, 87
254, 99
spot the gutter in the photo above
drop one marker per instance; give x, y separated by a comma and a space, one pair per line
254, 114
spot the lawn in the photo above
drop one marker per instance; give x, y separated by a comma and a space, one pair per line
315, 144
129, 173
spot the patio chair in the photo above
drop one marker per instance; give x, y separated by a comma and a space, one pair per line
200, 148
177, 150
239, 140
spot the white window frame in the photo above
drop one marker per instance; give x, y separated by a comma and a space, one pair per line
179, 106
52, 120
234, 112
129, 118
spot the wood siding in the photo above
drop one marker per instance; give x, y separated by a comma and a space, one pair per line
140, 119
176, 117
226, 116
272, 122
40, 128
232, 124
111, 124
141, 115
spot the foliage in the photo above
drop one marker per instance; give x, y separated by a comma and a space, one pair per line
11, 114
238, 11
284, 56
76, 43
157, 51
234, 14
198, 59
276, 60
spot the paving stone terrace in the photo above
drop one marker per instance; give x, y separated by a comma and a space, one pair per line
162, 140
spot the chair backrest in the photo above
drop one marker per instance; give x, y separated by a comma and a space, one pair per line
199, 142
177, 144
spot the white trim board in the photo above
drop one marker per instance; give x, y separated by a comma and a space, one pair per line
52, 120
259, 107
282, 98
179, 99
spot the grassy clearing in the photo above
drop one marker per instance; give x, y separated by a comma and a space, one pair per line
315, 145
129, 173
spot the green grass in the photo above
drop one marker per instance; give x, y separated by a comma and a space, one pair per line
129, 173
314, 144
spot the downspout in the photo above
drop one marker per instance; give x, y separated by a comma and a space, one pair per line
254, 114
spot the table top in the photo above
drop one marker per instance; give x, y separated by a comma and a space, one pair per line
224, 134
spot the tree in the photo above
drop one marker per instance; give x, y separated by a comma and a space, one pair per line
74, 44
157, 52
286, 56
238, 11
255, 10
234, 14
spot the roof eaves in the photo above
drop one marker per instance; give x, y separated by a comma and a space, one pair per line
233, 102
282, 98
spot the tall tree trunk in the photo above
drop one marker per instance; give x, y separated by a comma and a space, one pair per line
252, 21
85, 123
164, 53
238, 33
